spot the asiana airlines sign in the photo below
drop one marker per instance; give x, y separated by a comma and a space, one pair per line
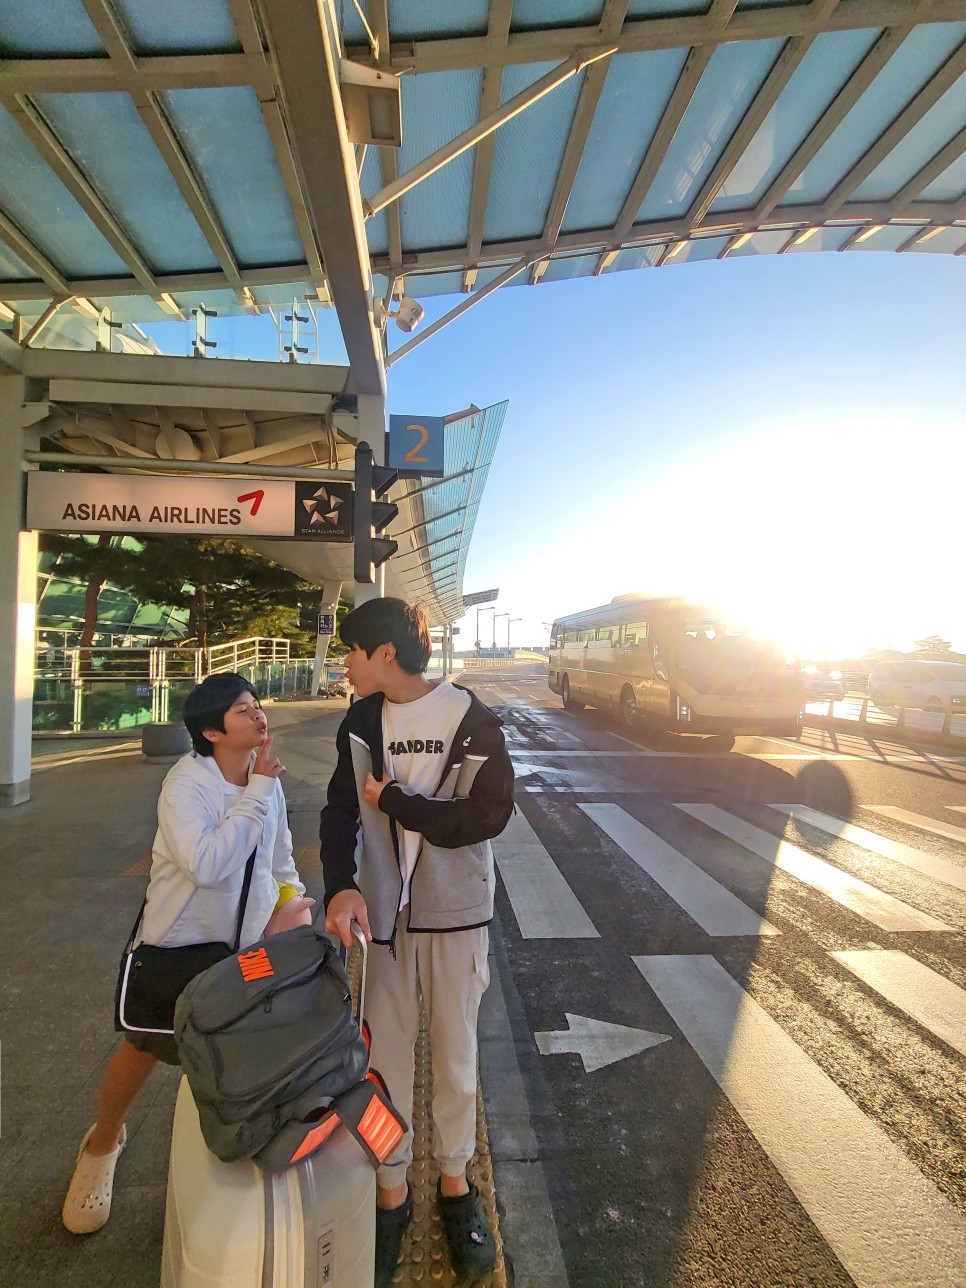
186, 506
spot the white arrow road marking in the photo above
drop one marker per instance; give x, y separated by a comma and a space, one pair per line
543, 903
935, 1002
597, 1042
930, 865
874, 905
886, 1223
716, 910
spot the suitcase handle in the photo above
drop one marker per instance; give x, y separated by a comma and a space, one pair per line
359, 934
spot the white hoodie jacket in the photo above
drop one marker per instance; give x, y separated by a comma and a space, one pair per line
207, 828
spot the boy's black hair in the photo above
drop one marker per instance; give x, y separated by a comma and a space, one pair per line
205, 706
390, 621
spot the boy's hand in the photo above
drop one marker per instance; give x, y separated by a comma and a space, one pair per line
344, 908
266, 762
374, 787
293, 912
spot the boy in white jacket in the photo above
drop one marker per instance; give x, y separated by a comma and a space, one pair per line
217, 804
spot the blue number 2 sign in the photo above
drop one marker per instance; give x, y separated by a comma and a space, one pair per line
415, 446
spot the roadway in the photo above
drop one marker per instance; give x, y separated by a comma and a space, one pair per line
737, 984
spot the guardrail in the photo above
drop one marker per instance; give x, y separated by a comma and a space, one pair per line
857, 711
89, 690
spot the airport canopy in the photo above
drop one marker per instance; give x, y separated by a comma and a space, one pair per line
154, 157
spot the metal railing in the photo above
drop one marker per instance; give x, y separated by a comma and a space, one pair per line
85, 690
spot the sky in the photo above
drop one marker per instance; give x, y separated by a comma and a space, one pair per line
785, 436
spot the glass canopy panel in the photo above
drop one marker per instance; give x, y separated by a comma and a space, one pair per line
487, 274
698, 249
12, 267
178, 26
531, 15
226, 136
636, 257
765, 4
436, 108
53, 28
820, 239
944, 120
946, 242
769, 243
890, 237
370, 181
726, 89
823, 71
110, 143
635, 95
412, 19
904, 75
951, 184
36, 200
561, 268
423, 284
665, 8
527, 154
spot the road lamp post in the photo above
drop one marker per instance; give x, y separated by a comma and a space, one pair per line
508, 625
495, 616
481, 609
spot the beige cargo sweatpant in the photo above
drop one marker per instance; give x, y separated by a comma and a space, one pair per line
447, 973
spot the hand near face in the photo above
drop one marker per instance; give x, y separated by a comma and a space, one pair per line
266, 762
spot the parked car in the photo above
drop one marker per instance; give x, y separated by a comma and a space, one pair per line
934, 686
823, 684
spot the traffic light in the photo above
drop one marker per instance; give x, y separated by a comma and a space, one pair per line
370, 515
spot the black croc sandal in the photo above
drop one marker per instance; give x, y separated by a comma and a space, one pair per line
472, 1249
391, 1227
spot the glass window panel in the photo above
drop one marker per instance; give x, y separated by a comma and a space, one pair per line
226, 136
729, 84
698, 249
47, 27
64, 233
529, 14
818, 78
423, 284
634, 97
924, 140
527, 154
665, 8
173, 26
950, 185
410, 19
888, 238
110, 143
636, 257
437, 108
906, 72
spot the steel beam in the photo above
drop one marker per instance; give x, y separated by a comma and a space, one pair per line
307, 58
555, 44
498, 33
379, 14
322, 475
464, 141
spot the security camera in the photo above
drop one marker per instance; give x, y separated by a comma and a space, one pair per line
408, 315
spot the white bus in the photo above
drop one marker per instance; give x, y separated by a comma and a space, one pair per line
676, 665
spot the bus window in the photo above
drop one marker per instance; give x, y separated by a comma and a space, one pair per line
606, 635
634, 634
572, 634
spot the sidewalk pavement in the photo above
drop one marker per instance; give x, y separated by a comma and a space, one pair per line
73, 863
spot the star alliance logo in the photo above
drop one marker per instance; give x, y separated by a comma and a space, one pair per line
323, 511
323, 507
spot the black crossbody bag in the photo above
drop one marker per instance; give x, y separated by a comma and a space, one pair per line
151, 979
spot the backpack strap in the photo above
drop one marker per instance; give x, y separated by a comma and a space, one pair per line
242, 906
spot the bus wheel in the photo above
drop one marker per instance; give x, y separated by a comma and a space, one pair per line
629, 712
568, 701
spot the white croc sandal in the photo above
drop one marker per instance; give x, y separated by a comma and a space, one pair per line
88, 1202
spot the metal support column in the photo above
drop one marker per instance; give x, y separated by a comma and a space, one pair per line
18, 605
331, 593
372, 430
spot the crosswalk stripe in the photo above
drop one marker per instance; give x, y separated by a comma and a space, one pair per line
543, 903
933, 1001
921, 821
883, 910
931, 865
886, 1223
716, 910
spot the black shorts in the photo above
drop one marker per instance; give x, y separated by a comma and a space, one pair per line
160, 1045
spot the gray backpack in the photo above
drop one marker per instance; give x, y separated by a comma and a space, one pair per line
275, 1057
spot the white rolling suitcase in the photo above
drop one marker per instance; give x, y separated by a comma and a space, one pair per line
232, 1225
235, 1225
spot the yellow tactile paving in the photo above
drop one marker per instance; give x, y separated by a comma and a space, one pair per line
424, 1259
